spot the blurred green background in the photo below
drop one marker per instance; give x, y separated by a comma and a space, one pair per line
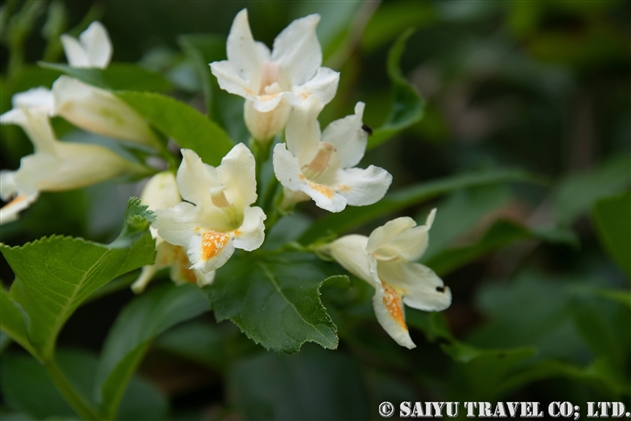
539, 271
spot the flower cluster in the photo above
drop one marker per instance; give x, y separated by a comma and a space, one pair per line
203, 213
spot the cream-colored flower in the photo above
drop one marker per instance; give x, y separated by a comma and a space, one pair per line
216, 216
271, 82
56, 166
386, 260
36, 100
321, 165
161, 192
92, 49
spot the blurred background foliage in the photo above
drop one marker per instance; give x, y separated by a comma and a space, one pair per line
539, 270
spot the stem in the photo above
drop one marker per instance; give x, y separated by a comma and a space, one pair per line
261, 154
83, 409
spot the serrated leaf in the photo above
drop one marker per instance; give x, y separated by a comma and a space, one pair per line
13, 321
55, 275
136, 326
407, 107
354, 217
184, 124
275, 300
612, 217
117, 76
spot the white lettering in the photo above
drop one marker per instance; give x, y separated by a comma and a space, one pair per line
470, 408
404, 410
452, 409
500, 412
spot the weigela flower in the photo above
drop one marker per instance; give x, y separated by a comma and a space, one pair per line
273, 81
320, 165
216, 216
92, 49
161, 192
386, 260
56, 166
99, 111
36, 100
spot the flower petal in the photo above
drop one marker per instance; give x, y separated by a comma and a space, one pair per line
263, 126
297, 51
161, 191
229, 80
40, 131
194, 178
391, 315
10, 211
251, 233
236, 174
178, 224
303, 130
363, 187
243, 52
421, 287
204, 279
8, 187
75, 53
350, 252
210, 250
287, 168
268, 102
323, 85
348, 137
381, 237
97, 45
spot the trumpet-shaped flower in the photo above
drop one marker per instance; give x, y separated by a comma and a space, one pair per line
36, 100
56, 166
92, 49
273, 81
320, 165
216, 216
386, 260
161, 193
99, 111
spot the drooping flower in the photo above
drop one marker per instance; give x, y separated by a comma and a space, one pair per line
161, 192
92, 49
271, 82
216, 216
56, 166
386, 260
99, 111
36, 100
321, 165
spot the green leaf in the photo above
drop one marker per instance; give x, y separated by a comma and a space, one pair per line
407, 107
184, 124
55, 275
577, 193
136, 326
13, 321
275, 300
26, 387
117, 76
501, 234
612, 217
324, 385
354, 217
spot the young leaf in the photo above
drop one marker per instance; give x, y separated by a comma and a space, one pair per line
55, 275
613, 222
401, 199
123, 77
184, 124
407, 107
275, 300
136, 326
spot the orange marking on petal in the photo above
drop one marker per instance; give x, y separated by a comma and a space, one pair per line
302, 177
321, 188
267, 97
15, 201
394, 305
237, 233
305, 95
212, 243
184, 265
344, 188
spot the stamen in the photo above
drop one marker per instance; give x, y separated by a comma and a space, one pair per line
319, 163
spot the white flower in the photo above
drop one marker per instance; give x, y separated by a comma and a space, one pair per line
216, 216
386, 260
36, 100
161, 193
99, 111
320, 165
92, 49
56, 166
272, 81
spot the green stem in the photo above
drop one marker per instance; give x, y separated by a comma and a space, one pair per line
82, 408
